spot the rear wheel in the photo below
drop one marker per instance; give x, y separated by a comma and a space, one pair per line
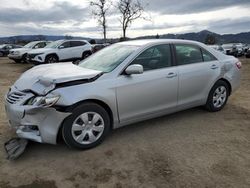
86, 54
51, 59
218, 96
18, 60
86, 127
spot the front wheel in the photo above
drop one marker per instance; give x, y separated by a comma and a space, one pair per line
24, 58
51, 59
218, 96
86, 127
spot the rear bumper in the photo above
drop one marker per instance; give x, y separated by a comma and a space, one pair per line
35, 123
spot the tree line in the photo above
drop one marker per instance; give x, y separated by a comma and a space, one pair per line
129, 10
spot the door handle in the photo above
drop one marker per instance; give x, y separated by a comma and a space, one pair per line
171, 75
214, 66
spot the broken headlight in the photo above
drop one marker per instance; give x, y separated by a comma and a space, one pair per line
43, 101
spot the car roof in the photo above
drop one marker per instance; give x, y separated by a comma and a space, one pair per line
66, 40
144, 42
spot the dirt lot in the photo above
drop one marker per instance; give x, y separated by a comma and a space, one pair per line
193, 148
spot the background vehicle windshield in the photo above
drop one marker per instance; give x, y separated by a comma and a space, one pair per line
227, 45
54, 44
108, 58
30, 45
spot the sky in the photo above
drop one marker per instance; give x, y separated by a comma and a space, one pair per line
73, 17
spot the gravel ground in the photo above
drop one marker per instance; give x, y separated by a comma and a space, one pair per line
193, 148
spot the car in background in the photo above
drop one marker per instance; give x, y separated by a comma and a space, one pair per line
122, 84
218, 48
247, 54
97, 47
246, 47
19, 55
5, 48
230, 49
61, 51
240, 48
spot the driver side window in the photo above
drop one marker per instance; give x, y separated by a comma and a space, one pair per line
65, 45
155, 57
40, 45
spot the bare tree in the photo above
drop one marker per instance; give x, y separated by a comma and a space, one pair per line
100, 8
130, 10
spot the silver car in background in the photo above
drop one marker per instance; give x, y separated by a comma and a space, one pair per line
122, 84
218, 48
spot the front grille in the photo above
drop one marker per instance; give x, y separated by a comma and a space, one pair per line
31, 56
15, 97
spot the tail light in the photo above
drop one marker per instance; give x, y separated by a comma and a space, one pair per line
238, 65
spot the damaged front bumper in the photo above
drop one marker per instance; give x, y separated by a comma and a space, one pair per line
40, 124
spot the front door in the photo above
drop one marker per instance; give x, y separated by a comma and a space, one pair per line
65, 51
152, 92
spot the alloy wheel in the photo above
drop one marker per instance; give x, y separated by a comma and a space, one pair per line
52, 60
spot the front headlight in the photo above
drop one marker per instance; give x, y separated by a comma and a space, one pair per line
40, 101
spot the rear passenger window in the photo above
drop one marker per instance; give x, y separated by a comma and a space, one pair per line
77, 43
207, 56
155, 57
188, 54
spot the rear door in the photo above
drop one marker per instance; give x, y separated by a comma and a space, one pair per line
152, 92
198, 70
77, 48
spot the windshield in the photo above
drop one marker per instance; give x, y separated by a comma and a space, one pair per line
30, 45
54, 44
108, 58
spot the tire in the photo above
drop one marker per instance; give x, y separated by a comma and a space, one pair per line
80, 135
76, 62
218, 96
86, 54
18, 60
51, 59
1, 54
24, 58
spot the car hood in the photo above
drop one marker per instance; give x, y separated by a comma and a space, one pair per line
21, 50
41, 50
44, 78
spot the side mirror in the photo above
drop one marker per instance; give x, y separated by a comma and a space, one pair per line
36, 47
134, 69
60, 47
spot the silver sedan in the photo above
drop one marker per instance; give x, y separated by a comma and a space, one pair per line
119, 85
